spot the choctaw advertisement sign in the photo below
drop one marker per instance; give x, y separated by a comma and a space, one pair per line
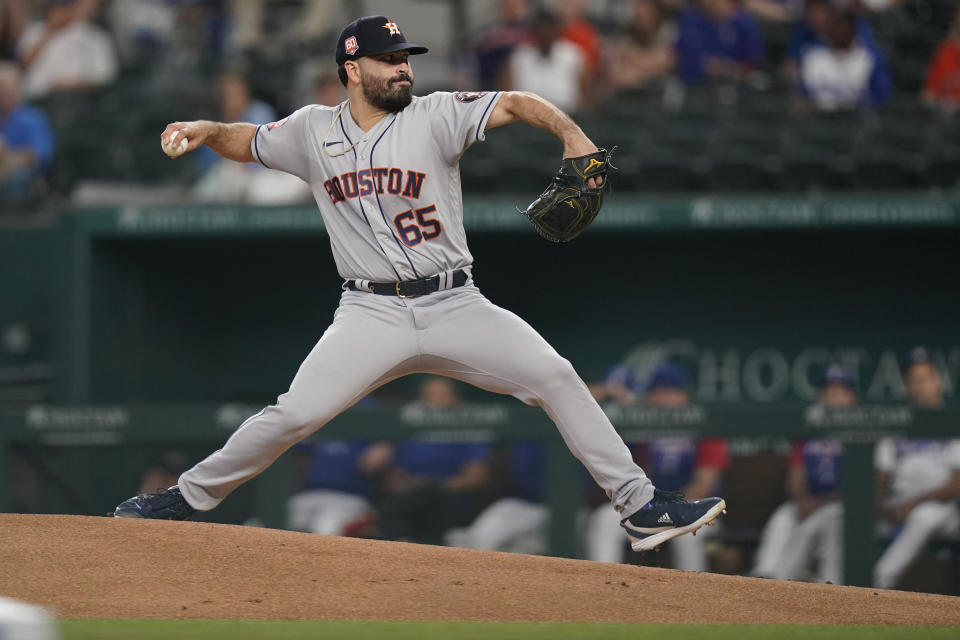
722, 373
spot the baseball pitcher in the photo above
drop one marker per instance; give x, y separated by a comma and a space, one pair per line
384, 169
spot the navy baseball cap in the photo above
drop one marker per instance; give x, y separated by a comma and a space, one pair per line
918, 355
835, 374
371, 36
667, 375
623, 375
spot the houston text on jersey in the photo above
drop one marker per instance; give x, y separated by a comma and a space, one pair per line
380, 180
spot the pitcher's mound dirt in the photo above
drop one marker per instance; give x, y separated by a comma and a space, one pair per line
113, 568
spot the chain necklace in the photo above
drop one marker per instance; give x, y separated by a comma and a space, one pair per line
336, 117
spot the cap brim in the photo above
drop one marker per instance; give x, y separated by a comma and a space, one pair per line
409, 47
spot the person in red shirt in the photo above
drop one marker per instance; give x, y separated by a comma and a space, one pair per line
809, 525
942, 84
696, 468
580, 31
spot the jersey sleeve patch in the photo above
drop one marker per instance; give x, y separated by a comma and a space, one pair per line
469, 96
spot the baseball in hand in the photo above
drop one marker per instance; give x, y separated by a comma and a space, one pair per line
174, 147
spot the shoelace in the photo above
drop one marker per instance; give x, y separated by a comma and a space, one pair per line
170, 496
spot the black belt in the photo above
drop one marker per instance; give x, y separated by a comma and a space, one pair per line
409, 288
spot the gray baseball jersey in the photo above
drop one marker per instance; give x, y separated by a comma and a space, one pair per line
390, 197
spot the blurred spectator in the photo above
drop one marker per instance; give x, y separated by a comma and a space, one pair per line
618, 386
334, 493
13, 19
26, 141
717, 39
200, 32
164, 472
246, 24
517, 522
643, 53
314, 20
328, 90
918, 481
923, 380
668, 386
495, 44
227, 181
578, 29
237, 104
810, 31
838, 389
813, 31
879, 6
87, 10
942, 84
425, 488
316, 83
550, 67
810, 524
695, 468
142, 28
775, 10
845, 71
65, 51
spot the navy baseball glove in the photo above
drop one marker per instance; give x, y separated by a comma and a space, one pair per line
568, 205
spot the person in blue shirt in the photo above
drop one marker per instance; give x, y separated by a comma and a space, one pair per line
335, 496
846, 71
717, 39
813, 29
809, 525
423, 488
496, 42
237, 104
26, 142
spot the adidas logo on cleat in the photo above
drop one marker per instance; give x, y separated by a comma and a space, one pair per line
665, 519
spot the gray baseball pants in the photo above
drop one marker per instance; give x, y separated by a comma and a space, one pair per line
456, 333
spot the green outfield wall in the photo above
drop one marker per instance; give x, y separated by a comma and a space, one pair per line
752, 295
172, 308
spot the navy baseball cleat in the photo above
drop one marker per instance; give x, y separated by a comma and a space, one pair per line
667, 516
168, 504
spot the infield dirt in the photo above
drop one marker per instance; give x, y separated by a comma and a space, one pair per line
85, 567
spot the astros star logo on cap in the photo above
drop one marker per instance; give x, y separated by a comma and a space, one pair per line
392, 27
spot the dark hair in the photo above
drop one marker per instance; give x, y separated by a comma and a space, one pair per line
544, 16
342, 74
919, 355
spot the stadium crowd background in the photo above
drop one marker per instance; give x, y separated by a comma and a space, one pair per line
719, 95
702, 96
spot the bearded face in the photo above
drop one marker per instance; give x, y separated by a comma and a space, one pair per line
391, 93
